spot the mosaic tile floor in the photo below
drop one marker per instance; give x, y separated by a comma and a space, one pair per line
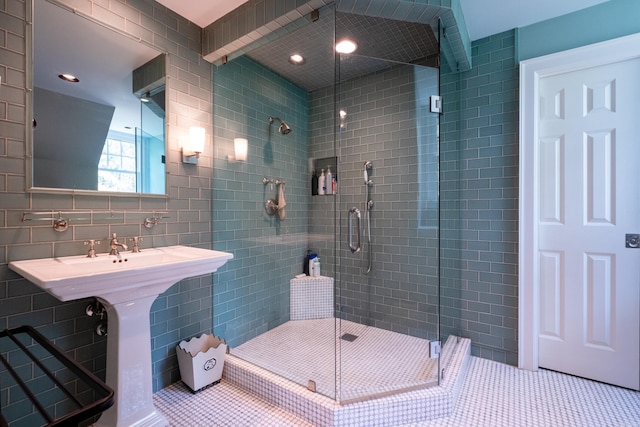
375, 362
493, 395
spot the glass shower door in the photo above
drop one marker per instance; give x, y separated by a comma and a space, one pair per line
387, 291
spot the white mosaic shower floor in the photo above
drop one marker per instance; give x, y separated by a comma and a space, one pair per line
376, 363
493, 395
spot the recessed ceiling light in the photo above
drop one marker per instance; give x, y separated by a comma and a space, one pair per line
346, 46
68, 78
296, 59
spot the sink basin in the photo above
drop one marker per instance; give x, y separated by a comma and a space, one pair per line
151, 271
127, 284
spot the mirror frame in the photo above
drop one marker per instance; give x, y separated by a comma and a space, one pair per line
29, 105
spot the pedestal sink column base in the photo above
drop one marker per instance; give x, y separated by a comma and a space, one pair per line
129, 370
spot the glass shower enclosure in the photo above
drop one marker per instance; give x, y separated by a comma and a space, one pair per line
367, 326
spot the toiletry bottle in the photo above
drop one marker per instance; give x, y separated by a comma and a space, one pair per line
334, 184
314, 183
322, 183
316, 267
312, 265
329, 180
305, 263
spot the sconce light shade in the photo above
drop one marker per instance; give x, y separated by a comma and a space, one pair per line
240, 146
194, 146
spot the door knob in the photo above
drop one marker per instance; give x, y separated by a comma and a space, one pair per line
632, 241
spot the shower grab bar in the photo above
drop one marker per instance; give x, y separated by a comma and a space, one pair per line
354, 212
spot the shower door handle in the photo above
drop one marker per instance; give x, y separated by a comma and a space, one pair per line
354, 247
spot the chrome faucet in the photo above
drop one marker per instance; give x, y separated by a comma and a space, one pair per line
114, 245
136, 245
92, 250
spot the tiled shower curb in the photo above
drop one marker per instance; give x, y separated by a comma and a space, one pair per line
403, 408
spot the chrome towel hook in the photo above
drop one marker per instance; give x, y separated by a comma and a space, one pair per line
60, 224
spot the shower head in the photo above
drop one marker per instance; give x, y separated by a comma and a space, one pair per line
284, 128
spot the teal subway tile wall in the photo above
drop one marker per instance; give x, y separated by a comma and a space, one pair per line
388, 123
479, 200
252, 295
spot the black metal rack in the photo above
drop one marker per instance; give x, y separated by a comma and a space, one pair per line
38, 381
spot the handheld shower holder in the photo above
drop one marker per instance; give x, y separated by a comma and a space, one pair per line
367, 167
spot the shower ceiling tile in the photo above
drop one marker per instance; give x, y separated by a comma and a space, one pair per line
379, 41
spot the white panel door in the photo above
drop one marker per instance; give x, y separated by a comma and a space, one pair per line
589, 151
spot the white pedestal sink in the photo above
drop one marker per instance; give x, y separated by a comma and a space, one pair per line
128, 284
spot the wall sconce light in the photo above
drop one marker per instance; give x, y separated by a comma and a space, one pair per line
240, 146
194, 145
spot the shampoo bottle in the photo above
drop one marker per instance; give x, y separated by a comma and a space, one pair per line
329, 181
316, 267
312, 265
322, 184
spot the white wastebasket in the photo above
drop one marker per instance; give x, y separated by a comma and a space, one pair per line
201, 360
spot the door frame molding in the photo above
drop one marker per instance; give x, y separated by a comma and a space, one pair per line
531, 71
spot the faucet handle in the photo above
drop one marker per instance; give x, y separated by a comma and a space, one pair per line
136, 246
92, 251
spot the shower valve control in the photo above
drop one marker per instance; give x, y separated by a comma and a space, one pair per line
632, 241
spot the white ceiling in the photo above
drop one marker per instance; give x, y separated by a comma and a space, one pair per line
202, 12
484, 17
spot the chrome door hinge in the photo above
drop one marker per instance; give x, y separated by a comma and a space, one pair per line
434, 349
436, 103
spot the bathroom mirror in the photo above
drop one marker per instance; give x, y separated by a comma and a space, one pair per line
105, 132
